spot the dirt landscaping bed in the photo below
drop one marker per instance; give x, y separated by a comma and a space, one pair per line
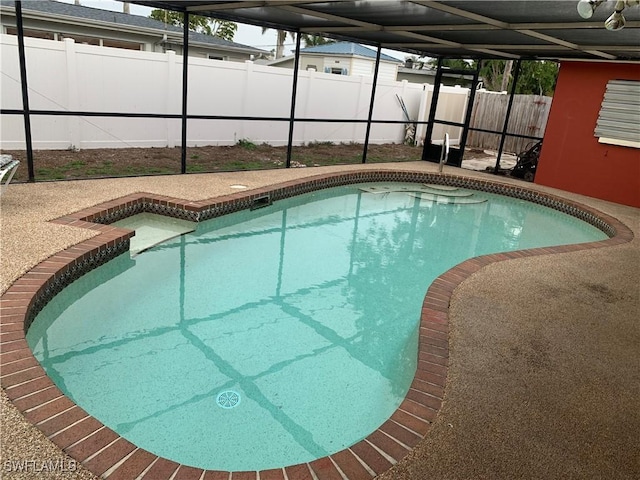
115, 162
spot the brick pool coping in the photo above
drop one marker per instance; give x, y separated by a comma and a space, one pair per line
105, 453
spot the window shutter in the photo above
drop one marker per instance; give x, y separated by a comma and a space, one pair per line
327, 69
619, 117
345, 71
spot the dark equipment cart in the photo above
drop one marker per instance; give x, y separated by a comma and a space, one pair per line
527, 163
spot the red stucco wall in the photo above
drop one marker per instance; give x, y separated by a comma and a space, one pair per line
571, 157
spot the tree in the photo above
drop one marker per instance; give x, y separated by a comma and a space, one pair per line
282, 36
537, 77
453, 63
491, 73
198, 23
315, 40
414, 61
506, 75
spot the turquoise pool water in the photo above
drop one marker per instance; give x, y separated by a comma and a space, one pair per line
276, 336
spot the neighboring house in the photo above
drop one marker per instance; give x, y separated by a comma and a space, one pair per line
56, 21
343, 58
428, 75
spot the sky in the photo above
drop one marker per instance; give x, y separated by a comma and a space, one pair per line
246, 34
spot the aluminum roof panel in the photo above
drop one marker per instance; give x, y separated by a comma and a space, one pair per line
625, 37
502, 37
461, 28
391, 13
539, 11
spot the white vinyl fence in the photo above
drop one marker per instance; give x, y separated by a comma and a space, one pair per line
66, 76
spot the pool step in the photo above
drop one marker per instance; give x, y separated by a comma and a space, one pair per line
436, 193
445, 188
468, 200
152, 229
417, 189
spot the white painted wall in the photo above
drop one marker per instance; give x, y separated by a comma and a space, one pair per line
69, 76
360, 66
354, 65
388, 72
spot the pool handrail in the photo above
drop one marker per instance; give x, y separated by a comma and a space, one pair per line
444, 153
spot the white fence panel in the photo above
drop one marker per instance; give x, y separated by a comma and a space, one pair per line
72, 77
10, 76
452, 103
115, 81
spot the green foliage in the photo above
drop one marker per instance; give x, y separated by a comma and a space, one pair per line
320, 143
453, 63
247, 144
537, 77
198, 23
50, 174
245, 165
224, 29
315, 40
491, 73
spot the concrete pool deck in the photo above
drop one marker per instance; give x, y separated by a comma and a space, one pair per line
543, 378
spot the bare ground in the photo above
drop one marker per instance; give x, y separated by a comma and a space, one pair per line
116, 162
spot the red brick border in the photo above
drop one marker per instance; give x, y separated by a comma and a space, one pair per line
105, 453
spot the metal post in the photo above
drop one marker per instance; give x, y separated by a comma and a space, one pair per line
25, 92
185, 78
371, 102
432, 110
467, 117
505, 126
294, 90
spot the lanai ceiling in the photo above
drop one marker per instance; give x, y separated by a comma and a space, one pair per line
543, 29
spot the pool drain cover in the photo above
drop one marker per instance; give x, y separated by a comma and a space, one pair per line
228, 399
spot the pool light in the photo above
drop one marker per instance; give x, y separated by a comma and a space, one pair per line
587, 7
616, 20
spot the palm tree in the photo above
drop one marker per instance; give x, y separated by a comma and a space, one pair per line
315, 40
282, 36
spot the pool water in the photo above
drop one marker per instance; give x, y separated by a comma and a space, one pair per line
276, 336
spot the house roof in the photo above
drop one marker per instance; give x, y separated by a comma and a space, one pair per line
529, 29
118, 19
347, 49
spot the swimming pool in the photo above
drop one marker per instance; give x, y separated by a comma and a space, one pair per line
338, 277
